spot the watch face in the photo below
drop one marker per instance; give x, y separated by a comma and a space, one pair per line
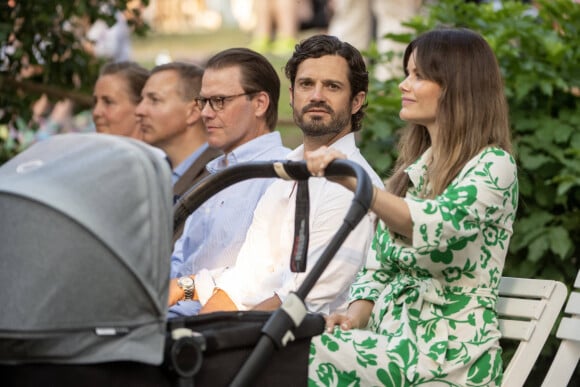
185, 282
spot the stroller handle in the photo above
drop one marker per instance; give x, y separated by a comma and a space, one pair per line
282, 323
288, 170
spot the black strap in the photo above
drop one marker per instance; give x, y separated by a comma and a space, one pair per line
301, 228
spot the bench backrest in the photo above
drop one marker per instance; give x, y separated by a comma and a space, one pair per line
528, 309
568, 355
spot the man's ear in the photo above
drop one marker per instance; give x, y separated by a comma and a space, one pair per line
193, 114
357, 102
291, 90
262, 101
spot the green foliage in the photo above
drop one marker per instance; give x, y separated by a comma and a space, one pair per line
45, 35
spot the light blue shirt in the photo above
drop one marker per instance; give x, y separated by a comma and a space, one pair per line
214, 233
185, 164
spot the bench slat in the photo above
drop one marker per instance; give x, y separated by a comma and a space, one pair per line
528, 309
526, 287
573, 305
520, 308
516, 330
569, 329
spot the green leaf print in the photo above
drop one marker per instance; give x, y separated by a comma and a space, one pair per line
497, 368
456, 353
455, 303
486, 302
430, 327
363, 357
437, 349
328, 342
480, 371
488, 316
491, 235
485, 256
454, 244
381, 276
329, 375
453, 203
442, 256
471, 319
452, 273
423, 231
392, 375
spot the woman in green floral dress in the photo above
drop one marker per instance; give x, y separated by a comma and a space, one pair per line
422, 309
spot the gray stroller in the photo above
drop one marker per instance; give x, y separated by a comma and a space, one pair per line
84, 267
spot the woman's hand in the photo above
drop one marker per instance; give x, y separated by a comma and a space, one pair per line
342, 320
318, 160
356, 317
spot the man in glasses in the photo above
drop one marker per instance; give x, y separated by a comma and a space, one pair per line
238, 102
169, 119
329, 82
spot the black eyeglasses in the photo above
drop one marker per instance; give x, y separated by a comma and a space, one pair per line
216, 102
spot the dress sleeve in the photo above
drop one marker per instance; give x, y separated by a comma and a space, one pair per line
473, 200
372, 279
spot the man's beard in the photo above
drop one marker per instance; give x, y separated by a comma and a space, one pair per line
315, 127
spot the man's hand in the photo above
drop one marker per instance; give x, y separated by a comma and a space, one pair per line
175, 292
218, 302
268, 304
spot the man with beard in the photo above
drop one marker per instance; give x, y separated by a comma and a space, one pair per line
329, 83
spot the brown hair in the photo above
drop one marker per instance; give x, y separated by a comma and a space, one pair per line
472, 111
190, 75
320, 45
135, 75
258, 74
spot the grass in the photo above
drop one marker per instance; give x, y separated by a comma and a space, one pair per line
198, 46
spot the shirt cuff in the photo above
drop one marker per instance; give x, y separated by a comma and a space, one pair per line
204, 285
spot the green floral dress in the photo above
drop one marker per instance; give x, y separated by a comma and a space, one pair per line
434, 321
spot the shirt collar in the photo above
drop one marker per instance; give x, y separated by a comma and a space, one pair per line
344, 144
185, 164
248, 151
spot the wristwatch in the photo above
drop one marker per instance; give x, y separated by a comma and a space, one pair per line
188, 285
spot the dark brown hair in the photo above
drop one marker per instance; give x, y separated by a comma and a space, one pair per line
258, 74
320, 45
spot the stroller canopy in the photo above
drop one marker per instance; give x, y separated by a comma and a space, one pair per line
85, 243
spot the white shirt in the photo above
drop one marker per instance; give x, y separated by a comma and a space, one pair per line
112, 42
262, 268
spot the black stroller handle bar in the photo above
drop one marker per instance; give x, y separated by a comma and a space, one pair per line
279, 328
288, 170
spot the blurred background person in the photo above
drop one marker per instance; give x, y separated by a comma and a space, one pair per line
112, 43
116, 94
353, 21
277, 25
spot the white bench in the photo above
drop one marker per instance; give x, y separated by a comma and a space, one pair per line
568, 354
528, 309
